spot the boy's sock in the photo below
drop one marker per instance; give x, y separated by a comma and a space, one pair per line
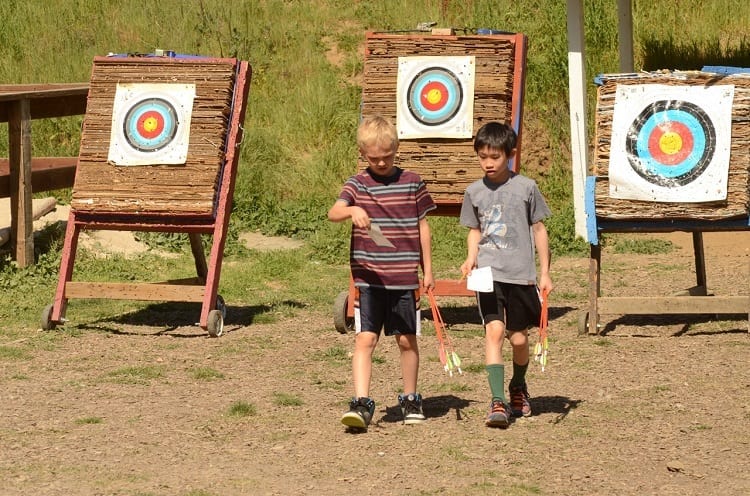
519, 375
496, 377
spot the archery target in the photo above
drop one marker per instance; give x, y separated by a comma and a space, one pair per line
435, 97
151, 124
671, 143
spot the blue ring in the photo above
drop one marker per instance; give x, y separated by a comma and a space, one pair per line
135, 139
451, 107
653, 171
653, 166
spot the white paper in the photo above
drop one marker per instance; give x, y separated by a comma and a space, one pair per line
480, 280
377, 236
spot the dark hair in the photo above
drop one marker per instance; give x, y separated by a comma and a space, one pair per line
496, 136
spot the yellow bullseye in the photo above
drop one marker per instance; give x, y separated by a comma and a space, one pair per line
434, 96
670, 143
150, 124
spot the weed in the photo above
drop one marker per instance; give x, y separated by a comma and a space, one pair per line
242, 409
136, 374
335, 355
206, 374
13, 353
474, 368
89, 420
643, 246
287, 399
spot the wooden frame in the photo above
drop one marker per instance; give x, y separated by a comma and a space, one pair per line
104, 216
446, 165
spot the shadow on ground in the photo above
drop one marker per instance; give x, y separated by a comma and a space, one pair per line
687, 321
170, 316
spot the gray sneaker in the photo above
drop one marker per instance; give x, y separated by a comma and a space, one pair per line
498, 415
411, 408
360, 413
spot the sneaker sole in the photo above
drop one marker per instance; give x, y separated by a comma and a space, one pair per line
501, 424
354, 420
519, 413
411, 421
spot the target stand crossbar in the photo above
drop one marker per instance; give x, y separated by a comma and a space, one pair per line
187, 113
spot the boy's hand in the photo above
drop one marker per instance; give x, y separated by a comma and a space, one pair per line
360, 217
428, 282
545, 283
467, 267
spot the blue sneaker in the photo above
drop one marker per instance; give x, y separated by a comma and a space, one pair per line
411, 408
360, 413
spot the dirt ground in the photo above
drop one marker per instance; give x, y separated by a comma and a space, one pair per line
653, 405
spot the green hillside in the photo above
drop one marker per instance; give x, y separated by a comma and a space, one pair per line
307, 61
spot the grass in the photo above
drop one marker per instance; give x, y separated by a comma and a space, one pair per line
287, 399
206, 374
241, 409
136, 374
89, 420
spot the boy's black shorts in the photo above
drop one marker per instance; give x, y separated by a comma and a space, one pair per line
395, 310
517, 305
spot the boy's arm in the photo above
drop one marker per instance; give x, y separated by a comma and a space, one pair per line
541, 240
340, 211
472, 249
425, 243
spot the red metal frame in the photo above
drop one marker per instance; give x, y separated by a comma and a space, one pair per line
208, 274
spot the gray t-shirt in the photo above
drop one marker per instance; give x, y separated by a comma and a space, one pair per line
504, 214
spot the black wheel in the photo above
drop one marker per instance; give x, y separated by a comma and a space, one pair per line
341, 321
215, 325
47, 323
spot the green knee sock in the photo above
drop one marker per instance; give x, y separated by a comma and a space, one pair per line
496, 376
519, 375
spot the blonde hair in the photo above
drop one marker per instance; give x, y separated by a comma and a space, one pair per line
376, 129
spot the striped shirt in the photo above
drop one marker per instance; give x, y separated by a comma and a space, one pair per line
396, 204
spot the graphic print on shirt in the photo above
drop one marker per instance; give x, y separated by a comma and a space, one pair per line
497, 234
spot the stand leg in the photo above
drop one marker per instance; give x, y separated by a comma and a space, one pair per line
700, 265
200, 257
594, 288
66, 268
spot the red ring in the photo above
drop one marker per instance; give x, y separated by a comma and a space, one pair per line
674, 158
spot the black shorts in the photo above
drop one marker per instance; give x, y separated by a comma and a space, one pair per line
517, 305
395, 310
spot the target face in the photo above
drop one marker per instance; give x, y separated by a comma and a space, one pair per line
151, 124
435, 97
671, 143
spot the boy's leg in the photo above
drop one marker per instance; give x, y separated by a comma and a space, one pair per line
493, 352
364, 346
492, 311
368, 317
407, 344
524, 311
411, 400
519, 395
361, 407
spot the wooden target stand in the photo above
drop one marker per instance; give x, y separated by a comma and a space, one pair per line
609, 215
193, 197
447, 165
